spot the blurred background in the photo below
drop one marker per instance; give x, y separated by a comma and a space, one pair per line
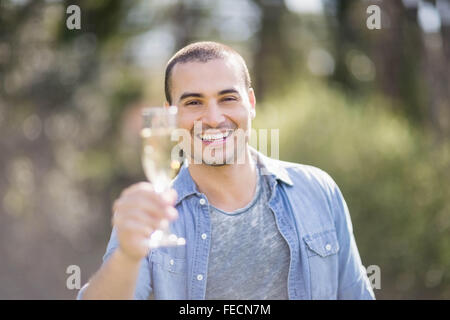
370, 107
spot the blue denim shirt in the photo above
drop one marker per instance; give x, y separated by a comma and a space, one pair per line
311, 215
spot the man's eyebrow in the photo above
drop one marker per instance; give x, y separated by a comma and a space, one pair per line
199, 95
190, 94
227, 91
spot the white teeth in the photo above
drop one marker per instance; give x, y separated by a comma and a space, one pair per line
217, 136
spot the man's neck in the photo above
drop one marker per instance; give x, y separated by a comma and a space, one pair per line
228, 187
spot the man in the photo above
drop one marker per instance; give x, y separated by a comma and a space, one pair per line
255, 227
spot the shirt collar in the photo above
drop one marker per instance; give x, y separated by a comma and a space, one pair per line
272, 167
185, 185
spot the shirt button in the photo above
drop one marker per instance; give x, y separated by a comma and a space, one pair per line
199, 277
204, 236
171, 262
202, 201
328, 247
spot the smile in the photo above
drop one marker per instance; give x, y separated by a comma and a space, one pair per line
211, 137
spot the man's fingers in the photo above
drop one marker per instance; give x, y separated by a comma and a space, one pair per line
136, 228
151, 208
133, 202
146, 189
170, 196
137, 216
144, 219
147, 186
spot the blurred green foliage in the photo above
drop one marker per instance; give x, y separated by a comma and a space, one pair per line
392, 175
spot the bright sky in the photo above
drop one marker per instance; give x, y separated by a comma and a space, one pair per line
305, 6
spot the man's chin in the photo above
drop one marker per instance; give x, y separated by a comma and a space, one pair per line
215, 164
217, 161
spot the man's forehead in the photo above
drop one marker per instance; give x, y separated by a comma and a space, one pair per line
197, 75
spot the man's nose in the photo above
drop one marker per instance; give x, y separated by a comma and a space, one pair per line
213, 115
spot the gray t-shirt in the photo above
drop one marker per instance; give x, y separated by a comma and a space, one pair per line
249, 258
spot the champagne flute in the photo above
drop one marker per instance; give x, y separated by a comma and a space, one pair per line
159, 167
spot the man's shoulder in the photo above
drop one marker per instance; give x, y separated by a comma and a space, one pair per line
311, 184
301, 168
303, 174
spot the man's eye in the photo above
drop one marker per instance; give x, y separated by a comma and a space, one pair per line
192, 103
229, 99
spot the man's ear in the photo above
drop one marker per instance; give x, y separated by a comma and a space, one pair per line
252, 99
166, 104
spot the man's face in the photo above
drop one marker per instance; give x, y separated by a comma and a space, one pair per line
215, 107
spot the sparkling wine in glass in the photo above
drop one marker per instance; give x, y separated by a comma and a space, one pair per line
159, 167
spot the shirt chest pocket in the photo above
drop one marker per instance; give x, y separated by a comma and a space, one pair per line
168, 276
322, 250
323, 244
167, 263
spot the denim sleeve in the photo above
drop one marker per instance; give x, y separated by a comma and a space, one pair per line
143, 285
353, 281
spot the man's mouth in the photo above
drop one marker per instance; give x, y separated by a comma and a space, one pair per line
210, 137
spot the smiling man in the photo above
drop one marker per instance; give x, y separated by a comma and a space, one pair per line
215, 101
255, 227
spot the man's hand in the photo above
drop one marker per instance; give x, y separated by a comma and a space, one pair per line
137, 213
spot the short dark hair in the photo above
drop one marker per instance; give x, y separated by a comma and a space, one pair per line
203, 52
